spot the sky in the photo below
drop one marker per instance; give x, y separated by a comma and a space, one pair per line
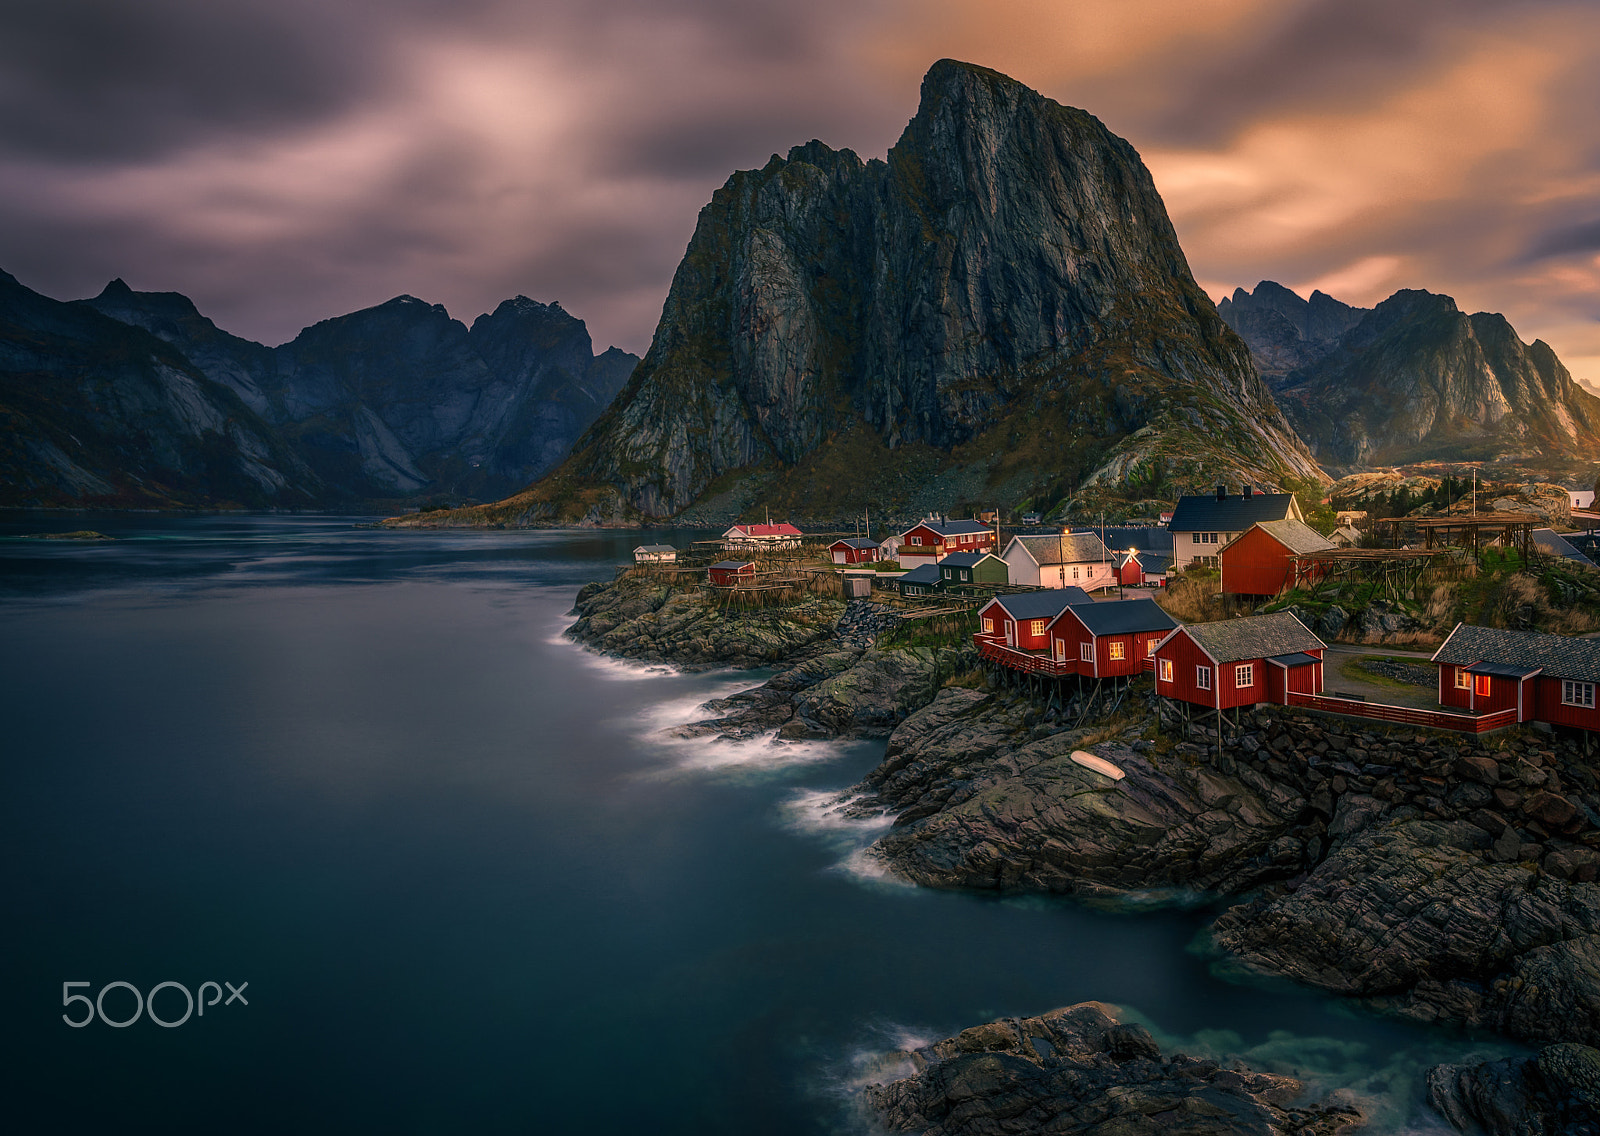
287, 161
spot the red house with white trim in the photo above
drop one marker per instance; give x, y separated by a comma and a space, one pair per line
727, 573
928, 542
1111, 639
1261, 560
1130, 573
1239, 662
854, 550
1545, 678
1023, 620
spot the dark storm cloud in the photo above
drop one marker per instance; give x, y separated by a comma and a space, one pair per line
285, 161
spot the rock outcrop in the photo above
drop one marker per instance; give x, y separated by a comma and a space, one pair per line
1556, 1093
1079, 1072
1010, 267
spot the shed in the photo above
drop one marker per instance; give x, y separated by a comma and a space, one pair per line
1239, 662
1546, 678
1129, 569
1022, 620
726, 573
655, 554
854, 550
1110, 639
1260, 561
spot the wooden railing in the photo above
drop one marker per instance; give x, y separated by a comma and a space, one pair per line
991, 648
1432, 719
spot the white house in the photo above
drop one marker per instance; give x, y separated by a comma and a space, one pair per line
655, 554
1202, 523
1066, 560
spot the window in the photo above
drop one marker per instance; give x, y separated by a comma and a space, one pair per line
1149, 648
1061, 650
1483, 686
1165, 671
1463, 682
988, 627
1202, 677
1118, 649
1074, 573
915, 539
1037, 627
964, 573
1086, 652
1244, 676
1577, 694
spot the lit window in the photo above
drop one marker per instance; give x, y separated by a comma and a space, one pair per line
1038, 626
1149, 648
1483, 686
1463, 682
1166, 670
1244, 676
1577, 694
1086, 652
1202, 677
988, 627
1118, 650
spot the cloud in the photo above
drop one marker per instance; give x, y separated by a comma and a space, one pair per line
288, 161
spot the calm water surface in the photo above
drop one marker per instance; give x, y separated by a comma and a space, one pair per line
470, 883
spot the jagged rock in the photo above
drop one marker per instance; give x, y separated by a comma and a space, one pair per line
1009, 266
1556, 1093
1077, 1071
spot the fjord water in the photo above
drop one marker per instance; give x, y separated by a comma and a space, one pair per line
470, 883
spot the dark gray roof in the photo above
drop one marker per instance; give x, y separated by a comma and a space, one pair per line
1503, 670
1552, 543
1254, 637
1046, 604
856, 542
953, 528
1142, 537
733, 564
1204, 513
1123, 617
922, 574
655, 548
967, 559
1298, 659
1561, 656
1064, 548
1155, 563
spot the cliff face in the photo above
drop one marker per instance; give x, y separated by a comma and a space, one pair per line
1010, 265
93, 411
400, 398
1285, 332
1418, 379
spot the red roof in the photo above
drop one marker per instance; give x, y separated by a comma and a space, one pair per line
784, 529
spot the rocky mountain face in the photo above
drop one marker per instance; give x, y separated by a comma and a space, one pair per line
1285, 332
93, 411
1417, 379
1008, 276
400, 398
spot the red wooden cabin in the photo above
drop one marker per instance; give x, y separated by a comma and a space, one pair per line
1113, 639
1023, 620
854, 550
1545, 678
1239, 662
1260, 560
726, 573
1130, 573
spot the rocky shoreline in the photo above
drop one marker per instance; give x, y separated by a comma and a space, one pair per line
1445, 879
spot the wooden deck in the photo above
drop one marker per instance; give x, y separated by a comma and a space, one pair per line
1036, 662
1405, 715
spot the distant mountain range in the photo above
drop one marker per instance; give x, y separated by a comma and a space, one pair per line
135, 399
999, 310
1413, 379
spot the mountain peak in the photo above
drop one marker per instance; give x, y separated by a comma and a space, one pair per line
117, 289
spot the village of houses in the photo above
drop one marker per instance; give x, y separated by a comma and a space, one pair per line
1077, 606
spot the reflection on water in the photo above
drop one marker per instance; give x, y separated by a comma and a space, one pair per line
474, 883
